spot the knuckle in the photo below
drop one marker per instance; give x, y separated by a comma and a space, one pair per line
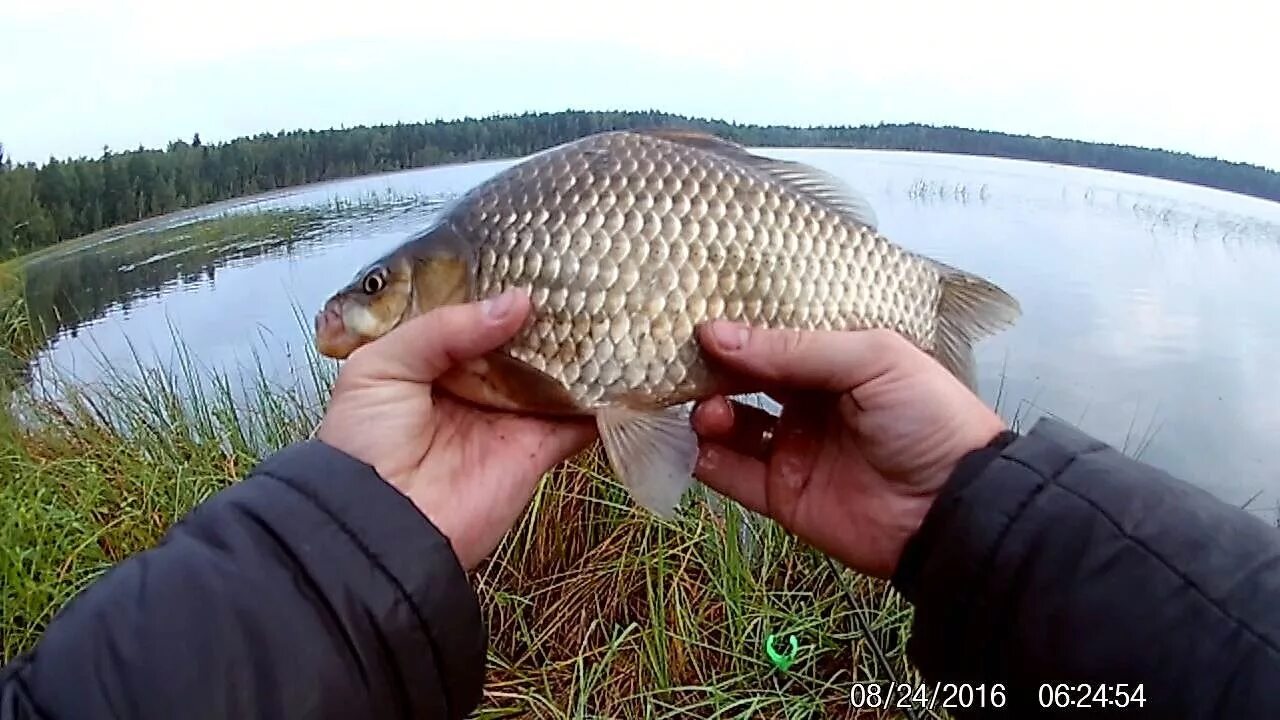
357, 362
883, 341
788, 343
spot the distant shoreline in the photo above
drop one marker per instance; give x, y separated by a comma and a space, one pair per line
42, 206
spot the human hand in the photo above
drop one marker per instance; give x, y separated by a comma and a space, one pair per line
469, 471
870, 430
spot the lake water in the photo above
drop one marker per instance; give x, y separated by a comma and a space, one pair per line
1151, 309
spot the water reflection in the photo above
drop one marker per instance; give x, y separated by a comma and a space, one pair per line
67, 291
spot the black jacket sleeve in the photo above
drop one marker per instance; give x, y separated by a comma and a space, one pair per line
310, 589
1053, 558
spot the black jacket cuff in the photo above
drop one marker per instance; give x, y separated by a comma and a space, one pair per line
969, 468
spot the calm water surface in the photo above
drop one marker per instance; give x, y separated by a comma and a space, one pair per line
1151, 309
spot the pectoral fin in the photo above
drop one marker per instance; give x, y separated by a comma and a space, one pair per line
652, 451
500, 381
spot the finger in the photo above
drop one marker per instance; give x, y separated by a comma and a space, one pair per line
713, 418
815, 359
563, 440
427, 346
733, 475
742, 428
544, 445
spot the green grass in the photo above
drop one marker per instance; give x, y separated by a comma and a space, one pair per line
90, 479
593, 607
18, 340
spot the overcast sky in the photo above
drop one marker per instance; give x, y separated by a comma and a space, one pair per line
75, 76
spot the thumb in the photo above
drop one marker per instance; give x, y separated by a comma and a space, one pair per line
809, 359
427, 346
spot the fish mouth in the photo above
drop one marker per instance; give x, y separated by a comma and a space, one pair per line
333, 339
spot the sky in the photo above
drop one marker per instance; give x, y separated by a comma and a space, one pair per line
75, 76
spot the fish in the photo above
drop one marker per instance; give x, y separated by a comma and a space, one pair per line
626, 242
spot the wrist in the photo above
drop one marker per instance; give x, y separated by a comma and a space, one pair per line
909, 515
969, 467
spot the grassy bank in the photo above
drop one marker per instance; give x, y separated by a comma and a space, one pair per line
594, 608
77, 282
18, 340
199, 234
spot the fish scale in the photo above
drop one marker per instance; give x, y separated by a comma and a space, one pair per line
677, 235
626, 243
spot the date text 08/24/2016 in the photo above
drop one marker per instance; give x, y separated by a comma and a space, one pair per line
903, 696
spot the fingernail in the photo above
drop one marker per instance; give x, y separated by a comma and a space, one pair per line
496, 308
729, 335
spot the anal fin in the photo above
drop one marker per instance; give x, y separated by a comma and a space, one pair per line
653, 453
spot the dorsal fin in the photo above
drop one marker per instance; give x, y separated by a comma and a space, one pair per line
823, 187
799, 177
702, 140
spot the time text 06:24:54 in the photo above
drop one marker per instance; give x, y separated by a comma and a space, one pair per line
902, 696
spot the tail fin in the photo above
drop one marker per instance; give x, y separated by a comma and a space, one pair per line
970, 309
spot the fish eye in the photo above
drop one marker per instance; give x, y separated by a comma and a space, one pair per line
374, 281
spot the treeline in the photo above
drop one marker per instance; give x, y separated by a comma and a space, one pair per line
65, 199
